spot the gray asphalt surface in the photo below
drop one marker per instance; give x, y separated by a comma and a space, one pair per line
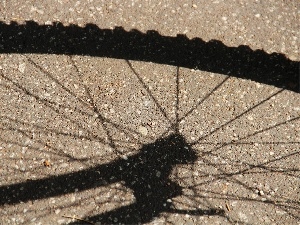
116, 139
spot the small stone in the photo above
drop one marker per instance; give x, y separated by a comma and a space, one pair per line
243, 217
61, 221
250, 118
158, 173
124, 157
267, 219
258, 85
261, 192
234, 203
195, 6
280, 212
143, 130
147, 103
257, 15
22, 67
293, 57
254, 196
57, 211
64, 165
73, 198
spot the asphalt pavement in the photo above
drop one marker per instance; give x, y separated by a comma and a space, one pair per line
149, 112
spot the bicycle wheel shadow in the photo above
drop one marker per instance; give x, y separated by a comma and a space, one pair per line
212, 56
147, 174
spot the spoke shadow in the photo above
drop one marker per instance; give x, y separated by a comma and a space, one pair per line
146, 173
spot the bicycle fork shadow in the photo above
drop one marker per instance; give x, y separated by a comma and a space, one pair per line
147, 174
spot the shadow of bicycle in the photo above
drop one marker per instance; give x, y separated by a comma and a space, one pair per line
148, 172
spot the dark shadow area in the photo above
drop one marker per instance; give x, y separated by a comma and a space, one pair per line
146, 173
213, 56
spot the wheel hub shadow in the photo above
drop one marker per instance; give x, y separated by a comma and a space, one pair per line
147, 174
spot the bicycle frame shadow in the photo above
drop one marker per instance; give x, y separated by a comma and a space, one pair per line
146, 173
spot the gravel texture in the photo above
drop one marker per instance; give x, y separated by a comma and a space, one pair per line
112, 135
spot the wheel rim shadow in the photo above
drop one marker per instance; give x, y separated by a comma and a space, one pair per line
148, 175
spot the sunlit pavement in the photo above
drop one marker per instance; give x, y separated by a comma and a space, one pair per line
94, 136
